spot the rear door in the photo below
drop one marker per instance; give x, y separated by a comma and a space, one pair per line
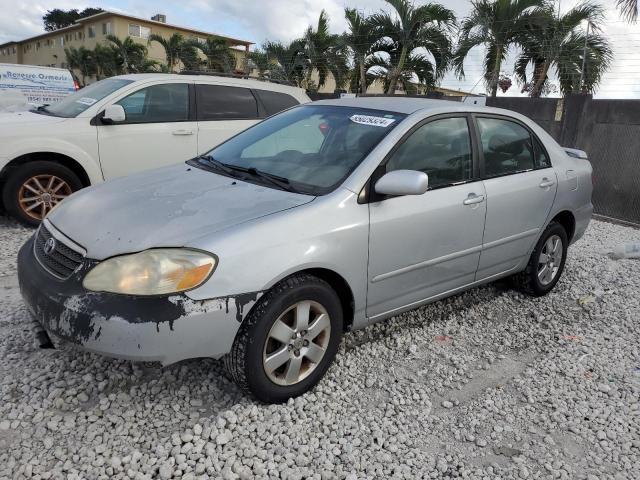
222, 111
159, 130
520, 186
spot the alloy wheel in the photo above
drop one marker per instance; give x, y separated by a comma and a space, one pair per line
39, 194
296, 343
550, 260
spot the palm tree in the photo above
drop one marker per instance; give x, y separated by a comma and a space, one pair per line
629, 9
177, 50
552, 42
259, 60
130, 54
106, 58
83, 60
360, 39
289, 61
411, 35
325, 53
497, 25
219, 58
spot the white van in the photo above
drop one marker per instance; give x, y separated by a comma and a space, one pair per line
123, 125
25, 86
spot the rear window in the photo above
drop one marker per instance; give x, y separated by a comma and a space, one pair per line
217, 102
275, 102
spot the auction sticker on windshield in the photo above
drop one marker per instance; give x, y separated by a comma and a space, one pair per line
86, 101
372, 120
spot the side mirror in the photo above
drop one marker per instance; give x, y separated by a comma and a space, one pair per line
403, 182
114, 114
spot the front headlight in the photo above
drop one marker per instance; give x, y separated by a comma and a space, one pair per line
152, 272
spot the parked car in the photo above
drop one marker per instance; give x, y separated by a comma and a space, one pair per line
23, 87
324, 218
123, 125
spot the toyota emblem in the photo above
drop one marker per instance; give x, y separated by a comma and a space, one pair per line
50, 246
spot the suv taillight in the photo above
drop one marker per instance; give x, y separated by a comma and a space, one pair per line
75, 85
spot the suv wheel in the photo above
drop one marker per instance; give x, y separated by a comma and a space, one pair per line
546, 262
288, 341
32, 190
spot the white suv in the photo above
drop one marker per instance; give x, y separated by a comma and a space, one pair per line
122, 125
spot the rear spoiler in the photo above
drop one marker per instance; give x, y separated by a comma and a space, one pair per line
572, 152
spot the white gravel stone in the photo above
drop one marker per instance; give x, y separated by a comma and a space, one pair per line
543, 388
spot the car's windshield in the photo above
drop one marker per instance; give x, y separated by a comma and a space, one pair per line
78, 102
311, 148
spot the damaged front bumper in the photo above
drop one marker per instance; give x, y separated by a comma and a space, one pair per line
160, 328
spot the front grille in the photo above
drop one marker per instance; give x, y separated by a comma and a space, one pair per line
62, 261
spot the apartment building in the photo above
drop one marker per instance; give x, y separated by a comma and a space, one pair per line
47, 49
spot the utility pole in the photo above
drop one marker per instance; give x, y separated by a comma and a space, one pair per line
584, 58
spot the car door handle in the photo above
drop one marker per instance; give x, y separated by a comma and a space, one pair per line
472, 199
182, 132
546, 183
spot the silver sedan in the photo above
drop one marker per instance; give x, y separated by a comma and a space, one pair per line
324, 218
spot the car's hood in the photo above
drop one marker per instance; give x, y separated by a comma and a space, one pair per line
23, 119
168, 207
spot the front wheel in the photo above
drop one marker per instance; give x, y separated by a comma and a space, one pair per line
288, 341
32, 190
546, 263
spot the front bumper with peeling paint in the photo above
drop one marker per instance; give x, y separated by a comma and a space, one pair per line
163, 328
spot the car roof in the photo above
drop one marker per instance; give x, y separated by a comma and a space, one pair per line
408, 105
215, 79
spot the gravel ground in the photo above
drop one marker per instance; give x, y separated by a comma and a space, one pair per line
487, 384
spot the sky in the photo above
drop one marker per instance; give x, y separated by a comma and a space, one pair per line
287, 19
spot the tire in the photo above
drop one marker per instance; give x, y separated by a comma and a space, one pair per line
17, 197
529, 280
254, 343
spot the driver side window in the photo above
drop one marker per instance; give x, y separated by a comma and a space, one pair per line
441, 149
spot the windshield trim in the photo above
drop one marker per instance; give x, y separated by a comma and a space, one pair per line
305, 188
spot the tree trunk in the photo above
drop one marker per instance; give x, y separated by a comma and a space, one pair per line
363, 76
496, 72
541, 76
395, 73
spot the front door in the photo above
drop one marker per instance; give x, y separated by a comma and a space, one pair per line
521, 188
425, 245
158, 131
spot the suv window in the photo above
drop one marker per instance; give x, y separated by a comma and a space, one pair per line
275, 102
217, 102
441, 149
168, 102
507, 146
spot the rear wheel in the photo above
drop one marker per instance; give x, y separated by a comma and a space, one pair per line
32, 190
288, 341
546, 263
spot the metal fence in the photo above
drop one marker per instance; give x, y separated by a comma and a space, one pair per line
608, 130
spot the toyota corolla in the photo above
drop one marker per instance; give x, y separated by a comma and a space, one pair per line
324, 218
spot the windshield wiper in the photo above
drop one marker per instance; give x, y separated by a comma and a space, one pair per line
216, 164
280, 182
275, 180
42, 109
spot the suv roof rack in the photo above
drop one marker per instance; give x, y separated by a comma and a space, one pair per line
235, 75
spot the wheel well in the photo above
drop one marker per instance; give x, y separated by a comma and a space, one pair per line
68, 162
568, 221
342, 289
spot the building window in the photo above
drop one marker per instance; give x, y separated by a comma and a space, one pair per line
92, 31
139, 31
80, 34
106, 28
62, 40
38, 46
